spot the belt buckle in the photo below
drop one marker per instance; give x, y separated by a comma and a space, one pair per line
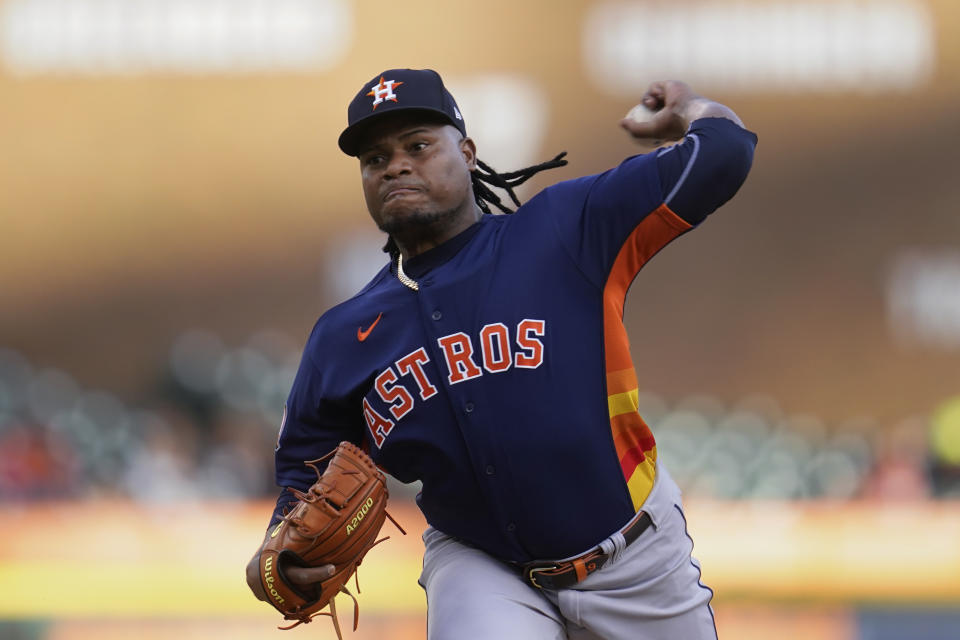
530, 572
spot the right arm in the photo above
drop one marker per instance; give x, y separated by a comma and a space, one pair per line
301, 577
316, 418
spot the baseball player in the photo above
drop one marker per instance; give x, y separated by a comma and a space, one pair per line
488, 359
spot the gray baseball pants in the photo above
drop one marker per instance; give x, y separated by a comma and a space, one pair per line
650, 590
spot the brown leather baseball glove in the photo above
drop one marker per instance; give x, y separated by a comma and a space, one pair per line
334, 523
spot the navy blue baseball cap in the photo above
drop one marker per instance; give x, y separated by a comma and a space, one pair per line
398, 90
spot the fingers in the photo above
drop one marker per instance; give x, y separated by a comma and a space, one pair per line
652, 132
655, 96
667, 93
645, 139
640, 130
307, 576
676, 92
652, 102
667, 101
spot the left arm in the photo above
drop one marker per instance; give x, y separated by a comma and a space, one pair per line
706, 169
674, 106
651, 199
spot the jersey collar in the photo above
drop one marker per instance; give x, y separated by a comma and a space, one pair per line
418, 266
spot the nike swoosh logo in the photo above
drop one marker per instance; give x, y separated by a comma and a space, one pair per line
362, 335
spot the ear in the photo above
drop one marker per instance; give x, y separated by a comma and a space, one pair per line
469, 150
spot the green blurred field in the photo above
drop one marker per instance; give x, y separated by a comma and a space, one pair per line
120, 570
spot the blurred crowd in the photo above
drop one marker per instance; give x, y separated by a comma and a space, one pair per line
208, 431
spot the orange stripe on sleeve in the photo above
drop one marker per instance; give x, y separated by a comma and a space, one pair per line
651, 235
631, 433
632, 438
621, 381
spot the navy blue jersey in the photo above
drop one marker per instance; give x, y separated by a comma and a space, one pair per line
505, 384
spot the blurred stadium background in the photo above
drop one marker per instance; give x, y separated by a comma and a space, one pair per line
175, 215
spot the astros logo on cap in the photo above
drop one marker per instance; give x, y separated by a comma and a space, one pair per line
384, 91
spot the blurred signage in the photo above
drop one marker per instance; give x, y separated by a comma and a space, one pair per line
923, 298
186, 36
844, 45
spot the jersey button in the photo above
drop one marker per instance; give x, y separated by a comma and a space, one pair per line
436, 315
468, 407
490, 470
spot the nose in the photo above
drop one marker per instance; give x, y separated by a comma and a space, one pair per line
398, 165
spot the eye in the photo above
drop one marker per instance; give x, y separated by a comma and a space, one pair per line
419, 146
373, 160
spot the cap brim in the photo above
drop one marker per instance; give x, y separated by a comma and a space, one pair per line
352, 136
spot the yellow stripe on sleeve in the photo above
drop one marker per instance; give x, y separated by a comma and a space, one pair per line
620, 403
641, 482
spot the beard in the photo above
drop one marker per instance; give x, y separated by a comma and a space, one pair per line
417, 221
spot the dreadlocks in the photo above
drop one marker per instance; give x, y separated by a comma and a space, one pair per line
485, 175
485, 196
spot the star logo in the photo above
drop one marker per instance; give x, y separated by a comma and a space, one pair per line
384, 91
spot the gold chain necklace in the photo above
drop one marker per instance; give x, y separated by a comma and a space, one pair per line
406, 280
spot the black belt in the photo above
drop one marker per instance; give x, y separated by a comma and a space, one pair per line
560, 575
